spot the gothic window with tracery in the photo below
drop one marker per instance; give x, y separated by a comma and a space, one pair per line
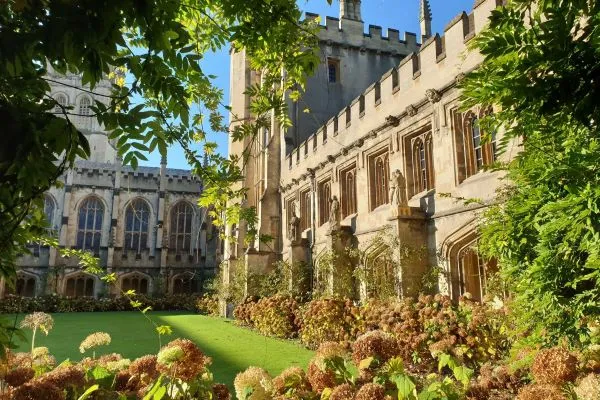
473, 149
89, 231
182, 215
137, 283
61, 101
420, 164
137, 215
84, 106
80, 286
348, 198
324, 198
305, 210
24, 286
379, 179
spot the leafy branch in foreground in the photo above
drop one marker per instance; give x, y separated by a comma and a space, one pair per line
541, 77
152, 51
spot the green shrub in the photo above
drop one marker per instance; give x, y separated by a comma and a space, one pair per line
208, 305
53, 304
276, 316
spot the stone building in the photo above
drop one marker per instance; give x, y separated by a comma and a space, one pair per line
144, 225
385, 147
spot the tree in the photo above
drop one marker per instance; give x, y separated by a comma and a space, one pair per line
156, 44
543, 79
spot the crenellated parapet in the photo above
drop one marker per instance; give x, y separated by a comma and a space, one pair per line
421, 78
349, 33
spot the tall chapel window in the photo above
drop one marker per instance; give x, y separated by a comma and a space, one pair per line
472, 151
61, 101
181, 227
49, 210
348, 198
84, 106
136, 225
89, 227
379, 179
324, 197
420, 165
305, 210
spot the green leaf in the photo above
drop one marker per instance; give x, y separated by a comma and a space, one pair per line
406, 387
88, 392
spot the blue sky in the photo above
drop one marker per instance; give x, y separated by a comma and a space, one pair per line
398, 14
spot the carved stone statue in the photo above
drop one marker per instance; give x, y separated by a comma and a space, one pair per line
398, 189
294, 225
334, 214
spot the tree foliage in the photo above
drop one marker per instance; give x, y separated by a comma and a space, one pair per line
152, 50
541, 72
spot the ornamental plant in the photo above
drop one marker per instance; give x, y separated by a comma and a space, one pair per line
276, 316
35, 321
336, 320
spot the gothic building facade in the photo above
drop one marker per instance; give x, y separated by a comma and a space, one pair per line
144, 225
386, 146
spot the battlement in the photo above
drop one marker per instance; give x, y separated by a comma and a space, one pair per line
400, 92
350, 33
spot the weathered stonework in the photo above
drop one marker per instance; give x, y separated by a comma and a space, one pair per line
152, 265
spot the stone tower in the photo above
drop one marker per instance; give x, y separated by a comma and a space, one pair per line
425, 19
350, 9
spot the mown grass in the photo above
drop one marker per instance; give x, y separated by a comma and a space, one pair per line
232, 348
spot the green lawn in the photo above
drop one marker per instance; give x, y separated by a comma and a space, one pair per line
233, 349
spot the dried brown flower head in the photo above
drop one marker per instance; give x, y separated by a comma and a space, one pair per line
145, 367
71, 376
379, 345
541, 392
38, 320
588, 388
342, 392
290, 378
19, 376
320, 379
221, 392
94, 340
187, 367
255, 379
371, 391
554, 366
38, 390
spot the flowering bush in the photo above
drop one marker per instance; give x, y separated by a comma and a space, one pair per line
329, 320
275, 316
180, 371
243, 311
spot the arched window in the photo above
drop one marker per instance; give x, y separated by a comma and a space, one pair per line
380, 176
472, 151
135, 282
476, 143
185, 284
324, 198
61, 100
421, 164
84, 106
381, 280
89, 226
24, 286
136, 225
305, 210
348, 179
49, 209
182, 215
81, 285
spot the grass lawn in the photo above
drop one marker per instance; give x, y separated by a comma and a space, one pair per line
232, 348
